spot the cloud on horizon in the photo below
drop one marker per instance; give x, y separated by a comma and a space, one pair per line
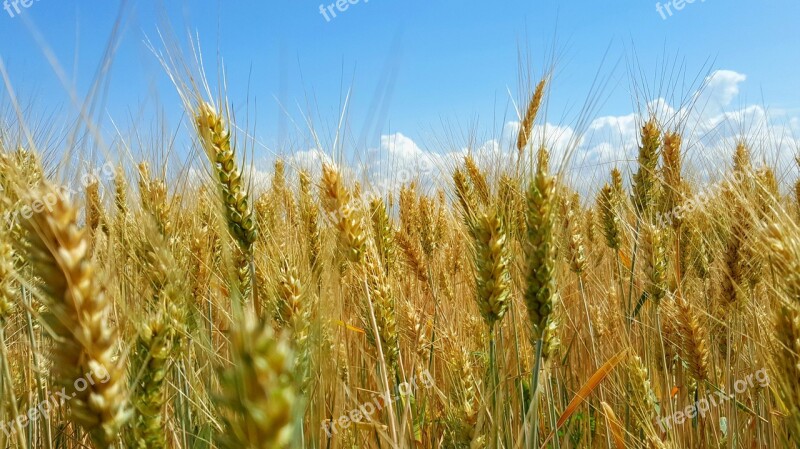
710, 128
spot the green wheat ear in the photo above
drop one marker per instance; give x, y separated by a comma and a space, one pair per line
239, 215
610, 221
383, 233
540, 294
492, 260
645, 182
258, 389
216, 140
151, 356
655, 261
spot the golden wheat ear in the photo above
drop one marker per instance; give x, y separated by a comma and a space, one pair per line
643, 400
526, 126
576, 251
383, 233
85, 344
309, 217
349, 223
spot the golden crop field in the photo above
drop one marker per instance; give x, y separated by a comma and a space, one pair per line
501, 306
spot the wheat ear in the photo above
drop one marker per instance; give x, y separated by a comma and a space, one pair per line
576, 251
694, 341
383, 232
492, 260
258, 389
8, 293
607, 203
216, 140
540, 294
309, 216
784, 245
655, 261
478, 178
154, 346
348, 221
645, 185
85, 343
672, 166
526, 126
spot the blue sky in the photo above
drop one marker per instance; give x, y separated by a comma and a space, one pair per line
427, 69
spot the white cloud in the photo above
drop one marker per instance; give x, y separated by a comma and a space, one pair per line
711, 131
722, 86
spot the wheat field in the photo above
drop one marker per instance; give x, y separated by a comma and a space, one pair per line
499, 308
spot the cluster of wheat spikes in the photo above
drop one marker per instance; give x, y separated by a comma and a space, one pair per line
502, 311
